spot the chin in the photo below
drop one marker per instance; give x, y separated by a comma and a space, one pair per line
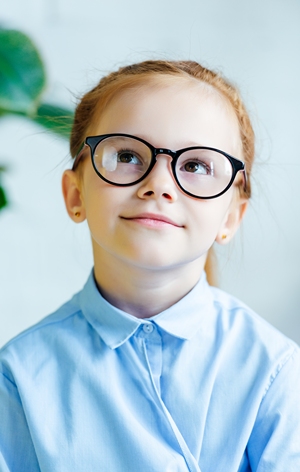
159, 262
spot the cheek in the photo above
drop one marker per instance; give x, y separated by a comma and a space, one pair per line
95, 202
208, 216
103, 205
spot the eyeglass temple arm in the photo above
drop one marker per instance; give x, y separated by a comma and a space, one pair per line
79, 155
245, 178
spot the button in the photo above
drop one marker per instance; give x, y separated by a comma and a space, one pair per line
148, 328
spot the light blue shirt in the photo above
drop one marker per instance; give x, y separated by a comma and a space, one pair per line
205, 386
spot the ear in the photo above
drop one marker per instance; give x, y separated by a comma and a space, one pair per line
232, 220
72, 194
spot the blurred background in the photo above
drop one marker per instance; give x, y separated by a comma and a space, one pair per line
44, 257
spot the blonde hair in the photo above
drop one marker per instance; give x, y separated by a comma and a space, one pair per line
136, 75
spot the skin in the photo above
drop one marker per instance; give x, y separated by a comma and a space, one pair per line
150, 240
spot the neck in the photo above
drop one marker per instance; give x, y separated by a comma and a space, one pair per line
144, 292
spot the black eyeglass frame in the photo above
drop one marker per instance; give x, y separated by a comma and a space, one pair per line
93, 141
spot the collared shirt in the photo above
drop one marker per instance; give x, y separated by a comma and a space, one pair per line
205, 386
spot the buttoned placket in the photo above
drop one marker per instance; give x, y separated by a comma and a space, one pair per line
151, 346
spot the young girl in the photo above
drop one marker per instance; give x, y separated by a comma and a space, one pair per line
149, 368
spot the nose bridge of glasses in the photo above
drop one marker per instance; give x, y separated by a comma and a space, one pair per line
160, 178
165, 162
170, 156
168, 152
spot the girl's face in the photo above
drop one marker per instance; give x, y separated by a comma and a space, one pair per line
153, 224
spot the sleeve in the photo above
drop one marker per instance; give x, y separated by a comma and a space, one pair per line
274, 445
17, 452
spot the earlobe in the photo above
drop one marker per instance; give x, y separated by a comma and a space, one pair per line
73, 196
232, 221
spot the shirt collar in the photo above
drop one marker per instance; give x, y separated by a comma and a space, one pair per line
115, 326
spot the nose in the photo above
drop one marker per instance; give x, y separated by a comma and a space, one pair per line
160, 182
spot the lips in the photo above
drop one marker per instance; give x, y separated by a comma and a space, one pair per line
152, 219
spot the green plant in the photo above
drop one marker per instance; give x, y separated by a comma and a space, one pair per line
22, 83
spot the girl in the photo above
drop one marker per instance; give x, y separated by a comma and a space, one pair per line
149, 368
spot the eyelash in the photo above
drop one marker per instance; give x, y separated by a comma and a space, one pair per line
197, 161
129, 151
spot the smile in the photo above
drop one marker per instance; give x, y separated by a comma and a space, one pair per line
152, 220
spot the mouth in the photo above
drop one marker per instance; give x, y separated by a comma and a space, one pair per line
152, 220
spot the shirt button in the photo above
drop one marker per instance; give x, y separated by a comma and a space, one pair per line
148, 328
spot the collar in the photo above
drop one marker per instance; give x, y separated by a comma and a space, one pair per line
115, 326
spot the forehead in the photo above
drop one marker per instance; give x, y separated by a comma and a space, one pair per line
192, 110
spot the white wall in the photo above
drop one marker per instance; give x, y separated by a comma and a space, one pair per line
44, 257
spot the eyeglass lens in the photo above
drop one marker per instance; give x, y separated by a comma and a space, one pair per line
200, 172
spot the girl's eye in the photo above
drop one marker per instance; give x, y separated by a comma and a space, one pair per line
197, 167
128, 157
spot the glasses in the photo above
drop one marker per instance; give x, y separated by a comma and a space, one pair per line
124, 160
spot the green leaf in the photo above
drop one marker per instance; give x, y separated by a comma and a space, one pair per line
56, 119
22, 74
3, 199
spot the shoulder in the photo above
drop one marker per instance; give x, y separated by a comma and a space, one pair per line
235, 315
251, 338
67, 310
32, 347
